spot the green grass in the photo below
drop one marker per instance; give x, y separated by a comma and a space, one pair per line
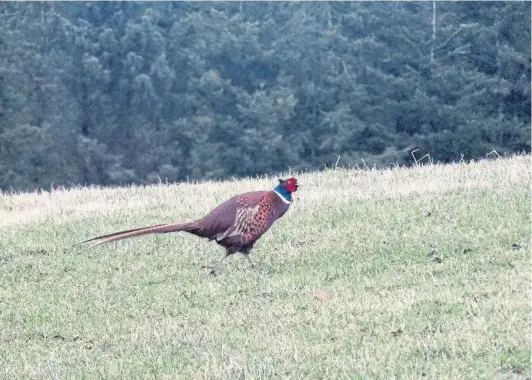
426, 273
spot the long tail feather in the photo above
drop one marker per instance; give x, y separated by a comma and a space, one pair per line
157, 229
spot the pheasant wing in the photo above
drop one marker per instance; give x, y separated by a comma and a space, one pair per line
253, 220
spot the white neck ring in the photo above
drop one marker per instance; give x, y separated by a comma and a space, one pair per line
282, 198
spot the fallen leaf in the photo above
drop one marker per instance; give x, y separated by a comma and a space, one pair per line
318, 293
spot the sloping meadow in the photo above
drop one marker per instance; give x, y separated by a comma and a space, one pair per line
405, 273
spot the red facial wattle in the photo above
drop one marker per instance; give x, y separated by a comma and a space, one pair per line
291, 185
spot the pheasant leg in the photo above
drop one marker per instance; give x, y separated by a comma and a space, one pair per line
249, 260
217, 264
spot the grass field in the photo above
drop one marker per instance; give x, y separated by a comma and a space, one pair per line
423, 272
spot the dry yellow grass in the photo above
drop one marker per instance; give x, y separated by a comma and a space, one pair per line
424, 273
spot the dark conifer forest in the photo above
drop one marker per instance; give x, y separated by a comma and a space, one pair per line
112, 93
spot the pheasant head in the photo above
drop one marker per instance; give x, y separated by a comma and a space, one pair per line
285, 188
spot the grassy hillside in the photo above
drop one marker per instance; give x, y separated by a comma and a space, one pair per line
423, 273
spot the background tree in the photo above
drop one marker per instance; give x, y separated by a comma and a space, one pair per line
116, 92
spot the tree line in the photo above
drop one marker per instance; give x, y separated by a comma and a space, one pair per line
113, 93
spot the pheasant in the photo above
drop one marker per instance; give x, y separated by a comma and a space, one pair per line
235, 224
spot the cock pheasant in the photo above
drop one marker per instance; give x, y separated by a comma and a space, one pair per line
235, 224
